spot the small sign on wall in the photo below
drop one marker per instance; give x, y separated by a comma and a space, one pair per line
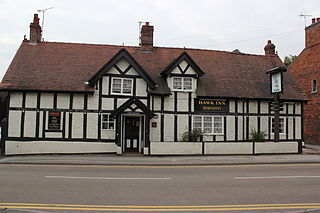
211, 105
54, 122
154, 124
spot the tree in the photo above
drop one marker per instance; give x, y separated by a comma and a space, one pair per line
288, 60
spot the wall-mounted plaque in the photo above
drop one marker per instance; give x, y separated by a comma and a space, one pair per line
54, 121
211, 105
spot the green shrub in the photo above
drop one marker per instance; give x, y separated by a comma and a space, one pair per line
193, 136
257, 136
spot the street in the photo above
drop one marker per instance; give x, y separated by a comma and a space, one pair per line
220, 188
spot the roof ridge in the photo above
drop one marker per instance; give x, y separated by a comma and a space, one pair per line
156, 47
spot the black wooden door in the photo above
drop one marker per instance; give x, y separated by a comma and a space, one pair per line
132, 126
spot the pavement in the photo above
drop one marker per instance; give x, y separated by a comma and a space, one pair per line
311, 154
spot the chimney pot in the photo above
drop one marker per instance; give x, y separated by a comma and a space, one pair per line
318, 19
313, 20
35, 30
270, 49
146, 36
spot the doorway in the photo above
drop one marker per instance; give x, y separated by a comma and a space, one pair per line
132, 136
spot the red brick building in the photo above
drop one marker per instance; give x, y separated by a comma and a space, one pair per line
306, 71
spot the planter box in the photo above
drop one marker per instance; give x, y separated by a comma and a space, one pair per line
228, 148
276, 147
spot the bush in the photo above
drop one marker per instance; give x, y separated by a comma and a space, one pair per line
257, 136
193, 136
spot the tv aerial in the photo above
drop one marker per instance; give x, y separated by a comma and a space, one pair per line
305, 17
43, 11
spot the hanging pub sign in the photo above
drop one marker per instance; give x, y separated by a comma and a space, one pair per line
211, 105
54, 121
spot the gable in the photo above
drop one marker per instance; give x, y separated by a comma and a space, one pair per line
184, 68
183, 65
122, 63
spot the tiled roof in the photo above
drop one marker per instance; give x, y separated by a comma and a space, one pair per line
54, 66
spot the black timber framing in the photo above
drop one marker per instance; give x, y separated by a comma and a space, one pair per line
122, 54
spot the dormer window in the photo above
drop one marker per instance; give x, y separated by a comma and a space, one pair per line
121, 86
182, 84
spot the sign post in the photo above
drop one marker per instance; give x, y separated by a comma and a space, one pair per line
276, 84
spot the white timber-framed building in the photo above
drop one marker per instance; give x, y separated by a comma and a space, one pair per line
88, 98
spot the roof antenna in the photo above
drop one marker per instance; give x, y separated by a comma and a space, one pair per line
305, 17
43, 10
140, 22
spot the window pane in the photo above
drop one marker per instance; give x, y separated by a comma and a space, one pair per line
217, 125
187, 84
177, 83
197, 123
127, 83
116, 85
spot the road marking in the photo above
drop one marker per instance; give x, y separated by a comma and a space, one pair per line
108, 178
277, 177
162, 167
125, 208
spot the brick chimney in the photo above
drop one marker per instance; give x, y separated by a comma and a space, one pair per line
35, 30
270, 49
146, 37
312, 33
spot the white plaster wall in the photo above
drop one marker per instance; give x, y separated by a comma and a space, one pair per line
30, 124
207, 137
45, 147
190, 70
92, 125
264, 107
77, 125
14, 123
253, 106
121, 101
228, 148
16, 99
290, 127
93, 100
232, 106
240, 106
264, 123
31, 100
155, 131
40, 123
276, 147
108, 134
182, 104
168, 127
157, 103
107, 103
105, 85
298, 127
230, 128
132, 72
53, 134
63, 101
290, 108
46, 100
123, 64
66, 131
298, 108
240, 127
176, 148
253, 123
182, 125
78, 101
169, 103
141, 87
219, 138
113, 71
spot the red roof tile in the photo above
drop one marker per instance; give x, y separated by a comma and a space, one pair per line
53, 66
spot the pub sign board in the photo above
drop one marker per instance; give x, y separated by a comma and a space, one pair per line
54, 121
211, 105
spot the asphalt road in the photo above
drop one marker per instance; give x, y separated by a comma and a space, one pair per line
238, 188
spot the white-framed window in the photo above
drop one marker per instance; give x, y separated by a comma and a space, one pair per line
107, 122
208, 124
121, 86
182, 84
282, 127
314, 86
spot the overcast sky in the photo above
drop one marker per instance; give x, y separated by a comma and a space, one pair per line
206, 24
